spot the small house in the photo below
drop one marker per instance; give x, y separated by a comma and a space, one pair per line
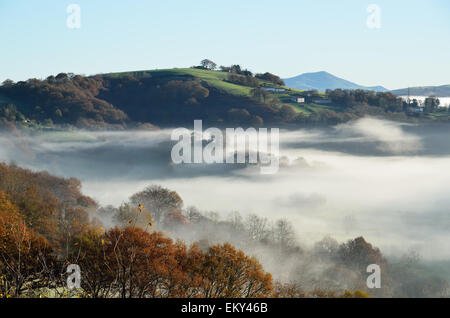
298, 100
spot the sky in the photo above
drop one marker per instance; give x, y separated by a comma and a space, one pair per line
286, 37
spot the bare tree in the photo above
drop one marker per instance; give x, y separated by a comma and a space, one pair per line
257, 227
283, 233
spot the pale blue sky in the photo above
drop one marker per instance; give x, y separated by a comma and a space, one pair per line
285, 37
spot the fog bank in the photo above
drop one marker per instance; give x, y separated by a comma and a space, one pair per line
382, 180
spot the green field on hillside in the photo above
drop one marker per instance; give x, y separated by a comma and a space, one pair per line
213, 78
218, 79
311, 108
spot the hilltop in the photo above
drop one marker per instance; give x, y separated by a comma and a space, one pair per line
155, 97
149, 99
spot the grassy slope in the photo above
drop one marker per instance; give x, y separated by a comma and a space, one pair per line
213, 78
217, 79
306, 109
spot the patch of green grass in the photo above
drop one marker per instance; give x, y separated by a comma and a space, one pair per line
217, 80
299, 108
308, 109
213, 78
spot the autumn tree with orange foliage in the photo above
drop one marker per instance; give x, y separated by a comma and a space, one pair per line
50, 206
25, 258
160, 201
230, 273
133, 263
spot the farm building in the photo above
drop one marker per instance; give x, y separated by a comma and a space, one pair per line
299, 100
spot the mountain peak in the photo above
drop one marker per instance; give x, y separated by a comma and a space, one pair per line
323, 80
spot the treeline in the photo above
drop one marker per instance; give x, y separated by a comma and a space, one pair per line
384, 101
39, 215
124, 102
351, 98
328, 268
63, 99
235, 70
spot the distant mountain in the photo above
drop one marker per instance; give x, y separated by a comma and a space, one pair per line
322, 81
438, 91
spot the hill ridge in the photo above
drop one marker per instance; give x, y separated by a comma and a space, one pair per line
324, 80
438, 91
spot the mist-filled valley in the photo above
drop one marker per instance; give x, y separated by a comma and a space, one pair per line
384, 181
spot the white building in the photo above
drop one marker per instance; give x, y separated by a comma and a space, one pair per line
299, 100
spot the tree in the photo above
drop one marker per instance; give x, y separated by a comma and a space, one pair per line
257, 93
187, 92
431, 104
25, 258
158, 201
225, 69
239, 116
129, 262
208, 64
287, 113
264, 96
51, 207
257, 227
235, 69
359, 254
283, 233
134, 214
327, 248
175, 220
288, 290
245, 80
133, 263
270, 78
98, 272
229, 273
8, 83
236, 221
62, 76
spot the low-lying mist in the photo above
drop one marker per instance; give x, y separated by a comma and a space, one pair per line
385, 181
